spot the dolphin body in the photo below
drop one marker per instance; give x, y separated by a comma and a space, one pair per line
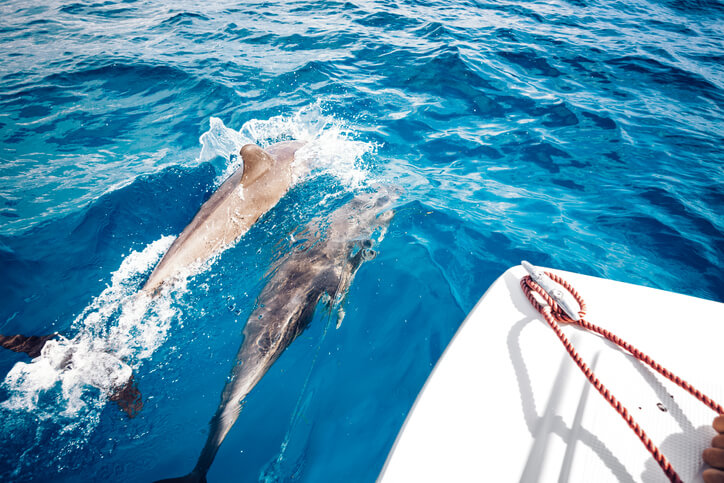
229, 213
244, 197
287, 303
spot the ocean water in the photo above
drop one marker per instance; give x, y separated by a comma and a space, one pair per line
578, 134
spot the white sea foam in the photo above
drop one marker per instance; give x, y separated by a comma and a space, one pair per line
112, 336
331, 146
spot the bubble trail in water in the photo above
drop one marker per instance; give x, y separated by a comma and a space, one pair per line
120, 328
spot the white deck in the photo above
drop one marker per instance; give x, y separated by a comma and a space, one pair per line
506, 402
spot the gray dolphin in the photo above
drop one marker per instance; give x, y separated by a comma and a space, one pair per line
323, 271
246, 195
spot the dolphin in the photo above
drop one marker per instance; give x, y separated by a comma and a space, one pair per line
266, 175
320, 272
251, 191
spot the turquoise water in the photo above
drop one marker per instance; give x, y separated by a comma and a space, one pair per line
578, 134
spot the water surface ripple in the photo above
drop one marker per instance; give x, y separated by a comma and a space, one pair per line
578, 134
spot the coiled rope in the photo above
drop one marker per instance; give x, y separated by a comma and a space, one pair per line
554, 315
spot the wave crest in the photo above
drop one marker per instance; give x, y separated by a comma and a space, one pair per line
331, 147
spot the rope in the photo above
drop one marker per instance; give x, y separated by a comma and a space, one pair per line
554, 315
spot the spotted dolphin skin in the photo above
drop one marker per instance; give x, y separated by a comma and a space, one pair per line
244, 197
321, 272
266, 175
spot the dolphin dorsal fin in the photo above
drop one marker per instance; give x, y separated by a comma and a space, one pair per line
256, 162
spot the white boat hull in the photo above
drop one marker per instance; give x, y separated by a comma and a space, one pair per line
507, 403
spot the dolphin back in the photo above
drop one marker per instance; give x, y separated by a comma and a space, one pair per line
239, 202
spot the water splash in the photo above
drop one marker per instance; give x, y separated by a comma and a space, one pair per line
331, 147
73, 377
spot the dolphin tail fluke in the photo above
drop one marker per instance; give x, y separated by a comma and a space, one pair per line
128, 398
31, 345
193, 477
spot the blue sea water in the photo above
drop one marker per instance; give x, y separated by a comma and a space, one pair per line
579, 134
